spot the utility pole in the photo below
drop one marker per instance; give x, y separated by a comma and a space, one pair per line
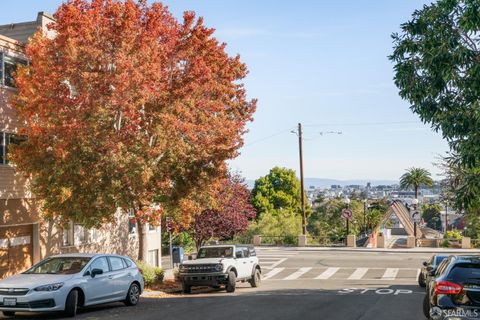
302, 192
446, 216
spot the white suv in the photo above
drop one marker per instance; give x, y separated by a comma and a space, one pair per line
220, 265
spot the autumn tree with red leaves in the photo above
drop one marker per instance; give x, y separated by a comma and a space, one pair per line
230, 217
124, 108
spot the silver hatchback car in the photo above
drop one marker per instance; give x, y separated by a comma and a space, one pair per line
65, 282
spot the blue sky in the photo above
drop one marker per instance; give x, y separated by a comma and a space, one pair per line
321, 63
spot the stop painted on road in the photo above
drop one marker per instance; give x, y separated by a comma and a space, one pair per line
380, 291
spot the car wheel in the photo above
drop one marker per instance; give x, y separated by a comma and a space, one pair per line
426, 307
71, 304
133, 295
9, 313
421, 280
232, 282
256, 279
186, 288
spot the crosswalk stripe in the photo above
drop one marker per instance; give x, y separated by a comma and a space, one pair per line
278, 262
390, 274
327, 273
358, 274
272, 273
297, 274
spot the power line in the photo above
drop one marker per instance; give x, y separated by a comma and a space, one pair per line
268, 137
338, 124
361, 123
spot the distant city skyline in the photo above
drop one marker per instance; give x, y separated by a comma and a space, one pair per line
321, 63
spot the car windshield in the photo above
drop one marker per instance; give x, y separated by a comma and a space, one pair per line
59, 265
462, 272
439, 259
216, 252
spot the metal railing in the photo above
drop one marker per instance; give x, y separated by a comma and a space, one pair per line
279, 240
323, 241
475, 243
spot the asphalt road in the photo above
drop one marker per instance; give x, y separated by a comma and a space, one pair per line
296, 285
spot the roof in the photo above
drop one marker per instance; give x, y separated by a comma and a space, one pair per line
85, 255
475, 259
11, 44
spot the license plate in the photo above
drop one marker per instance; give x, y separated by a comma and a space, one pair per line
11, 302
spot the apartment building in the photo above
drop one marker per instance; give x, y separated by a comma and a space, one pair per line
25, 237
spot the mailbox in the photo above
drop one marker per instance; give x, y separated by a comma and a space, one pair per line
177, 255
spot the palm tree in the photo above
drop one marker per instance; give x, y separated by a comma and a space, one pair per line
416, 177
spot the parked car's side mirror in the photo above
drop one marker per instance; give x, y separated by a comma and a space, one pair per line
425, 263
96, 272
238, 255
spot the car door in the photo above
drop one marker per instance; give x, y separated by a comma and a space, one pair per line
250, 262
241, 263
98, 289
120, 276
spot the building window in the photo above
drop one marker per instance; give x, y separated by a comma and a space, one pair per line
152, 258
79, 237
132, 222
7, 139
93, 235
8, 68
152, 227
66, 238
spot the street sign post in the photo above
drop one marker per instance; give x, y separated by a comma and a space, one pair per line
169, 225
347, 214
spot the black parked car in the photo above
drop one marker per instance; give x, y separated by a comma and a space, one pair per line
429, 267
454, 290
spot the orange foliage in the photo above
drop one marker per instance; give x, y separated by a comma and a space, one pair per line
126, 106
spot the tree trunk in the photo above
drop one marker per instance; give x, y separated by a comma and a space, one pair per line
142, 241
198, 243
416, 192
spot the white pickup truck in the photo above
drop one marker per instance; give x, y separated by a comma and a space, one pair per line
220, 265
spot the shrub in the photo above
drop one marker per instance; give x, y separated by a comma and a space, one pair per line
159, 274
445, 244
277, 227
453, 234
176, 274
150, 274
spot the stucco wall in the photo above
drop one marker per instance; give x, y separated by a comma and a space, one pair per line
111, 238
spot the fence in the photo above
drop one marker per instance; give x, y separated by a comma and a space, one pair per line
475, 243
322, 241
439, 243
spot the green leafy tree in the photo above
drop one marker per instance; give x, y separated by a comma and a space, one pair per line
431, 214
437, 69
277, 227
414, 178
280, 189
327, 220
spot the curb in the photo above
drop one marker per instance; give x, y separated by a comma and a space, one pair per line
337, 249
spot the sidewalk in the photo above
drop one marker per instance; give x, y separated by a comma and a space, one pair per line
362, 249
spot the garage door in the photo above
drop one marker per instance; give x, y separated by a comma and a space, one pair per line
16, 249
